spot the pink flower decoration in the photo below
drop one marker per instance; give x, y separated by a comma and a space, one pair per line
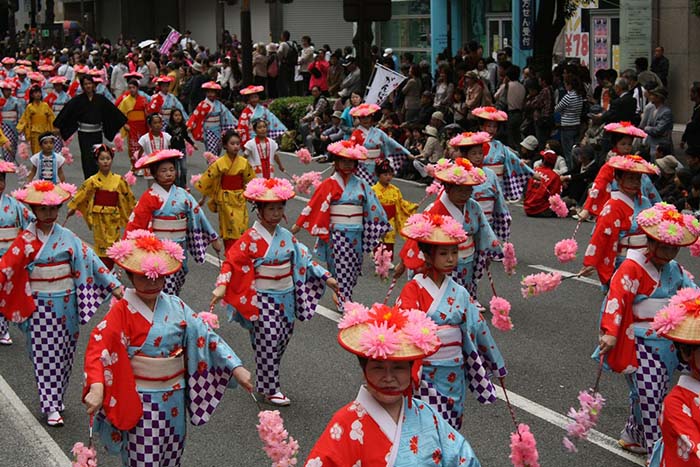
558, 206
52, 199
568, 445
380, 340
453, 228
626, 128
500, 309
305, 182
584, 419
281, 448
353, 313
536, 284
83, 456
22, 173
65, 152
421, 331
649, 217
120, 250
695, 248
419, 226
523, 448
668, 318
6, 166
210, 319
152, 266
210, 157
686, 294
479, 137
566, 250
130, 178
20, 194
283, 189
173, 249
670, 232
304, 156
138, 233
118, 142
256, 188
23, 151
434, 188
189, 149
510, 261
382, 261
692, 224
69, 187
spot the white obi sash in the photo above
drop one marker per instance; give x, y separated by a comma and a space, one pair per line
51, 277
497, 168
645, 310
346, 214
212, 121
487, 204
9, 116
374, 153
274, 276
465, 250
160, 373
171, 228
7, 236
631, 242
450, 345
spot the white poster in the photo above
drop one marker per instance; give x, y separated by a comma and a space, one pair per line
635, 31
384, 82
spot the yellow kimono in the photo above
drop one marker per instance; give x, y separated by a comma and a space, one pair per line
36, 119
224, 182
3, 138
397, 209
105, 203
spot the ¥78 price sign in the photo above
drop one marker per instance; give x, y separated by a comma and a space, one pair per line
577, 46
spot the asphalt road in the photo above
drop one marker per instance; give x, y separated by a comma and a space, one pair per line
547, 355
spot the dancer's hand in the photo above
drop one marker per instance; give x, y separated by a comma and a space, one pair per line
295, 229
606, 343
70, 213
7, 146
243, 378
583, 214
93, 399
399, 270
118, 293
217, 245
217, 294
333, 284
586, 271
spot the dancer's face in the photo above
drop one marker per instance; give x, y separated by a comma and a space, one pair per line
272, 213
147, 288
46, 215
165, 174
444, 258
388, 376
459, 194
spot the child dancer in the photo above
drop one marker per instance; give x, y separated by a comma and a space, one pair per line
47, 164
152, 363
261, 150
224, 182
37, 119
105, 201
177, 129
210, 119
254, 111
269, 280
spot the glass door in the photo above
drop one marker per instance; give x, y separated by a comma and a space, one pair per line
500, 30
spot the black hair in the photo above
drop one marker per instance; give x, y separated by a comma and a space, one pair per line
149, 119
685, 176
133, 82
45, 134
695, 183
86, 77
683, 348
555, 146
616, 137
258, 121
665, 148
33, 89
383, 167
156, 165
228, 135
642, 63
99, 149
171, 120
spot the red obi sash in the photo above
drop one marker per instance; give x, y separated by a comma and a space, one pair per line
232, 182
390, 210
106, 198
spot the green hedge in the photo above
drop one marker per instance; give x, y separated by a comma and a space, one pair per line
295, 105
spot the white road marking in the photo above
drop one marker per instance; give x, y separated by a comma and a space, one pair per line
32, 431
586, 280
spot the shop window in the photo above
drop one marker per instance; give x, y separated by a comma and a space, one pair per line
500, 6
409, 28
500, 33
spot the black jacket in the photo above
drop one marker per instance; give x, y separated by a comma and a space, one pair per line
691, 135
622, 109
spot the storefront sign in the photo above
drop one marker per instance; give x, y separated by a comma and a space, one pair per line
527, 23
601, 44
578, 43
635, 31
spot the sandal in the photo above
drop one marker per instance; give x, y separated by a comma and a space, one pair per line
6, 339
54, 419
278, 399
631, 446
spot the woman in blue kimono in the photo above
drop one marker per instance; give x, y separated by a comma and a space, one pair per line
512, 173
51, 282
379, 145
170, 212
385, 424
269, 280
468, 355
346, 216
153, 361
12, 109
256, 111
211, 119
14, 217
347, 121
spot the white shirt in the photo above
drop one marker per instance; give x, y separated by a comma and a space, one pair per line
148, 148
36, 161
67, 71
250, 148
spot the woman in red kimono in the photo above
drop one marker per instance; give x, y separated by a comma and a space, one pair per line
133, 105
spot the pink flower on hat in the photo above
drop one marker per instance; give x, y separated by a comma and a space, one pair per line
625, 128
353, 313
69, 187
380, 340
453, 228
152, 266
138, 233
421, 331
20, 194
173, 249
52, 199
120, 250
670, 232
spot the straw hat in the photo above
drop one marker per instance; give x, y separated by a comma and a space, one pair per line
144, 254
271, 190
211, 85
21, 70
45, 193
434, 229
8, 61
385, 333
664, 223
58, 80
157, 156
490, 113
45, 68
6, 84
679, 321
7, 167
625, 128
459, 172
364, 110
633, 163
470, 139
252, 90
348, 150
165, 79
133, 74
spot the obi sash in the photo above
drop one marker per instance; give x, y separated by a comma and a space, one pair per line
374, 153
89, 127
274, 276
160, 373
465, 249
450, 345
9, 116
51, 277
169, 227
346, 214
106, 198
232, 182
7, 236
497, 168
136, 115
631, 242
645, 310
212, 121
487, 204
390, 210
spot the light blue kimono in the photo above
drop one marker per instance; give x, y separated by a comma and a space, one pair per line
102, 89
170, 103
15, 108
21, 89
275, 128
515, 172
374, 138
490, 197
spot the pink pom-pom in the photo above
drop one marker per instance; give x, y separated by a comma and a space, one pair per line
566, 250
536, 284
434, 188
69, 140
500, 309
194, 179
118, 142
523, 448
353, 313
83, 456
510, 261
277, 444
210, 157
558, 206
304, 156
568, 445
23, 151
584, 419
189, 149
382, 261
305, 182
65, 152
210, 319
130, 178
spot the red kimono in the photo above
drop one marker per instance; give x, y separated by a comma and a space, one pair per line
538, 191
244, 122
680, 424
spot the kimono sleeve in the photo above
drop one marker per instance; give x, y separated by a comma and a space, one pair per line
240, 292
502, 218
127, 201
309, 282
81, 200
210, 183
617, 319
15, 291
248, 172
409, 297
599, 192
649, 190
112, 119
404, 210
316, 216
200, 232
517, 173
210, 365
23, 124
334, 447
24, 215
274, 126
455, 449
601, 251
375, 222
93, 280
228, 121
142, 214
680, 431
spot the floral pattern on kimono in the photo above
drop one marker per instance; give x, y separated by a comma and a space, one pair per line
374, 138
211, 133
617, 220
515, 172
164, 103
446, 380
9, 125
396, 208
487, 247
605, 183
490, 197
275, 128
363, 434
172, 329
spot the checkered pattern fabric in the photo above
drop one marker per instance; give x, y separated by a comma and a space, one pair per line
153, 442
307, 296
212, 141
500, 223
372, 234
52, 349
478, 377
430, 395
4, 326
90, 297
364, 173
174, 282
347, 263
197, 243
205, 391
397, 161
271, 334
57, 145
11, 134
514, 186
